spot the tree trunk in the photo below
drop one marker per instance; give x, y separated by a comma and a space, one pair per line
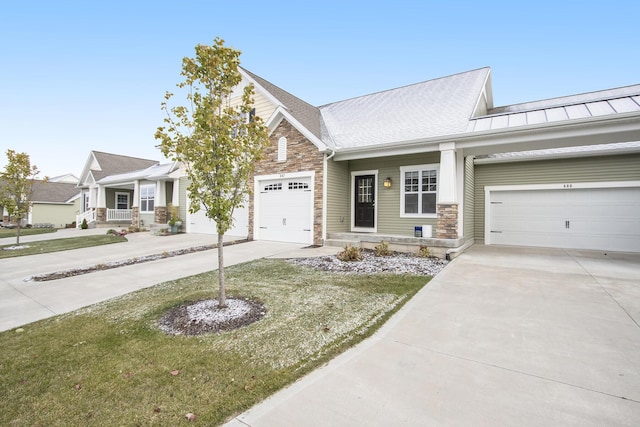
222, 298
18, 233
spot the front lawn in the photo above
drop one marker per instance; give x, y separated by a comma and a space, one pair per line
12, 232
109, 364
56, 245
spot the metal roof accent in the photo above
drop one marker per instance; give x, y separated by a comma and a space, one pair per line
583, 106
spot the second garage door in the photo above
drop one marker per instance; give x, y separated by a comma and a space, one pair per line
581, 218
285, 210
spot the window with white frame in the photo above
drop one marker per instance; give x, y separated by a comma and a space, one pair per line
122, 200
419, 190
147, 197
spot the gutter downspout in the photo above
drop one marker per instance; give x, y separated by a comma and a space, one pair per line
324, 194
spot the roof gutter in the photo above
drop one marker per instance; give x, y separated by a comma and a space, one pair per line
627, 122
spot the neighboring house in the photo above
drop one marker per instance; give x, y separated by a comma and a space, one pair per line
434, 164
120, 190
55, 203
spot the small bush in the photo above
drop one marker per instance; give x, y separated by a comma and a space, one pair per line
350, 253
112, 231
132, 229
424, 252
382, 249
84, 224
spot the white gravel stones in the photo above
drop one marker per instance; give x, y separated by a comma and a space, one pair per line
398, 263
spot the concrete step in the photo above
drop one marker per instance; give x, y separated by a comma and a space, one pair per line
342, 243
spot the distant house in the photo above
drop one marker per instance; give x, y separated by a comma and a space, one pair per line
55, 203
434, 163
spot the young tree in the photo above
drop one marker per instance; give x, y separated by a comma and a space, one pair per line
215, 137
16, 186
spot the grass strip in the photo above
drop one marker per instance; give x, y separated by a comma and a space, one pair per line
109, 364
56, 245
12, 232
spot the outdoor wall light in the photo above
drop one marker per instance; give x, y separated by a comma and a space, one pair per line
387, 183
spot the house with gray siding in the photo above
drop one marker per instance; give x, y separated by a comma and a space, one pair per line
431, 164
437, 164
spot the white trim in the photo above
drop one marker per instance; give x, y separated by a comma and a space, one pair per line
419, 168
374, 229
536, 187
287, 175
282, 149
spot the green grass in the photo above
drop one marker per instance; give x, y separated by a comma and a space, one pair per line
109, 364
56, 245
12, 232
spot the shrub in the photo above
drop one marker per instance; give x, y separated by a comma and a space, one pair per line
350, 253
132, 229
112, 231
84, 224
382, 249
424, 252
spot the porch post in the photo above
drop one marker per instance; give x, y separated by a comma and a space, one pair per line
101, 204
135, 210
160, 208
175, 196
447, 205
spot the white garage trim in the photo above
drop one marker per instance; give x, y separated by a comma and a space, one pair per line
258, 180
492, 190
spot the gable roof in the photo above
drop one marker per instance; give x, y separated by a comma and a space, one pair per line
420, 111
100, 164
53, 192
582, 106
303, 112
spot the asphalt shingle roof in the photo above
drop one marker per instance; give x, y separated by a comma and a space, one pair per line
113, 164
420, 111
303, 112
53, 192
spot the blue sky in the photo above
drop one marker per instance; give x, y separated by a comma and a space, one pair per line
83, 75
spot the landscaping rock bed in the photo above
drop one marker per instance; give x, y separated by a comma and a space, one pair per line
204, 316
397, 263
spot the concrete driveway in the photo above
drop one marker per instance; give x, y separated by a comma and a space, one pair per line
503, 336
23, 302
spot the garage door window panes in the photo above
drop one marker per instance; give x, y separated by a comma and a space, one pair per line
273, 187
419, 191
298, 186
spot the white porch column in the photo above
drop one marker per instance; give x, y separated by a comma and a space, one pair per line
175, 196
161, 194
447, 224
447, 190
136, 194
102, 197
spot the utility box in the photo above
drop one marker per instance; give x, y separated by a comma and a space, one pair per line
417, 231
426, 231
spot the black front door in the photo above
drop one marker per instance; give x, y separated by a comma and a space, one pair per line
365, 192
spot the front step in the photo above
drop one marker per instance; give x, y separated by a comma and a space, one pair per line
342, 243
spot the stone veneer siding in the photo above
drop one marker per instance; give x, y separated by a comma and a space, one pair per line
302, 156
101, 214
160, 214
135, 216
447, 222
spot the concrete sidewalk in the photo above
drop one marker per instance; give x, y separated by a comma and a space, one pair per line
22, 302
502, 336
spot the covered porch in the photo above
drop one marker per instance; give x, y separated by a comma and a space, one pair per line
136, 199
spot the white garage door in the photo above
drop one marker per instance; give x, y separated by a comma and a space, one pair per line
584, 218
199, 223
285, 210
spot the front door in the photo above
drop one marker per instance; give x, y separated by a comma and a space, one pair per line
365, 191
